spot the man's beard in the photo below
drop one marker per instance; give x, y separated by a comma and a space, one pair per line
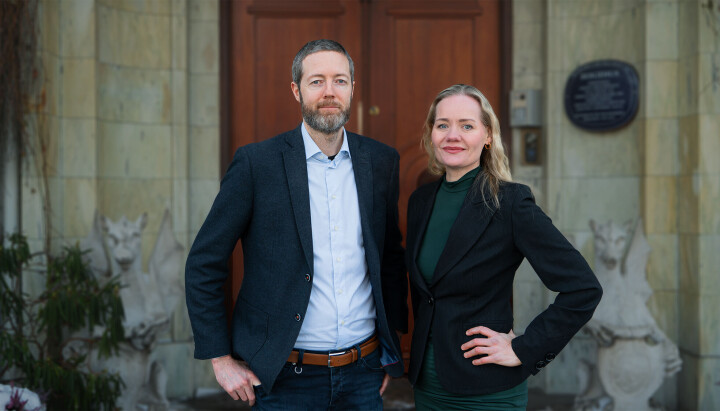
324, 123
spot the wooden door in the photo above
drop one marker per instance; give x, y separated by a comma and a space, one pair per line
405, 52
417, 49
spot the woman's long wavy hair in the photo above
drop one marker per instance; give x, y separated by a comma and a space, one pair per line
494, 163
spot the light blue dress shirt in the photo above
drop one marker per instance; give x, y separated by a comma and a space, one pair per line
341, 311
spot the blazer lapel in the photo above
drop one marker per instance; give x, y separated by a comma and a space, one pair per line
362, 170
297, 178
425, 212
472, 220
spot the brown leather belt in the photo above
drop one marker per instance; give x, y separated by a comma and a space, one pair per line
336, 359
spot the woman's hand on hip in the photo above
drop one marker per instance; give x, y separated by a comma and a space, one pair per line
496, 348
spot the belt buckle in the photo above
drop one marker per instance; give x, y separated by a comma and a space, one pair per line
335, 354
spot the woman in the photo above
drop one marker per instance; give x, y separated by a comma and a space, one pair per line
467, 234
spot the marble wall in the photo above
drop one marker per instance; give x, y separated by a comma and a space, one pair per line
129, 123
660, 167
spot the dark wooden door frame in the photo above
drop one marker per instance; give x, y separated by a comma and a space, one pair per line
226, 151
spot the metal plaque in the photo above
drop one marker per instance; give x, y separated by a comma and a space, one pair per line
602, 95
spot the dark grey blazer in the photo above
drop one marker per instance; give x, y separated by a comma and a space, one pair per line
472, 286
264, 201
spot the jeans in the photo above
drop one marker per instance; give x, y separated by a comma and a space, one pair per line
354, 386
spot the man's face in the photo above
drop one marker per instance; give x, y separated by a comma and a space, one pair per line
325, 91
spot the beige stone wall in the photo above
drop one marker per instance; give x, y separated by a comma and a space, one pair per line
66, 121
662, 167
130, 124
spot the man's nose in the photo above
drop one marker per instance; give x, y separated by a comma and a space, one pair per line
329, 90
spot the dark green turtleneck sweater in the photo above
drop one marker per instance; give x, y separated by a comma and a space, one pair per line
449, 200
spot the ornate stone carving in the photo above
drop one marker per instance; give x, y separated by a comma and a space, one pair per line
634, 355
149, 300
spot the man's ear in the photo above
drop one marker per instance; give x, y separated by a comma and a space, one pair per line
295, 90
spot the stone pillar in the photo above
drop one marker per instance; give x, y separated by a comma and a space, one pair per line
660, 164
698, 189
204, 117
529, 295
78, 122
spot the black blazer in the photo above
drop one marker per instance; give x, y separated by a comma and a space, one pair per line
264, 201
472, 285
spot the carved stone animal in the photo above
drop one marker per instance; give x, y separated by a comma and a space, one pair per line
634, 354
149, 299
145, 314
623, 306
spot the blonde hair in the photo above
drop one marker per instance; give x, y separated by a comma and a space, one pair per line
494, 163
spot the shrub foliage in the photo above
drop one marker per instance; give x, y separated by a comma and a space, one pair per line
47, 340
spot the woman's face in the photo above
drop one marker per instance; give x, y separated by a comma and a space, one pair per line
458, 135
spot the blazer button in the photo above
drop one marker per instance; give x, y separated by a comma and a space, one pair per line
540, 364
431, 301
549, 357
297, 317
307, 277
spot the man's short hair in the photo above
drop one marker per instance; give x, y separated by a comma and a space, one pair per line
314, 47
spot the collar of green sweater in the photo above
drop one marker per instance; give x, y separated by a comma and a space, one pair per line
462, 184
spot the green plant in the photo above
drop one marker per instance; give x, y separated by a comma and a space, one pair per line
45, 341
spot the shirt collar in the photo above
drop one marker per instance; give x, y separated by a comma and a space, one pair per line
312, 149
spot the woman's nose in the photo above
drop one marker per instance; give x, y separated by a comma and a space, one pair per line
453, 133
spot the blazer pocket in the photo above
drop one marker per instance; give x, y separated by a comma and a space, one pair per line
250, 329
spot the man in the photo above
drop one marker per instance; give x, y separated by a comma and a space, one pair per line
324, 287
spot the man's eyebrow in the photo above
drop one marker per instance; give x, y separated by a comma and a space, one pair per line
334, 75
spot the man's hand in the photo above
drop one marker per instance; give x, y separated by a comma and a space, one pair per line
386, 380
235, 378
497, 347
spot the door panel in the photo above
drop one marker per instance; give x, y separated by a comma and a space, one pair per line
265, 36
434, 44
272, 65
